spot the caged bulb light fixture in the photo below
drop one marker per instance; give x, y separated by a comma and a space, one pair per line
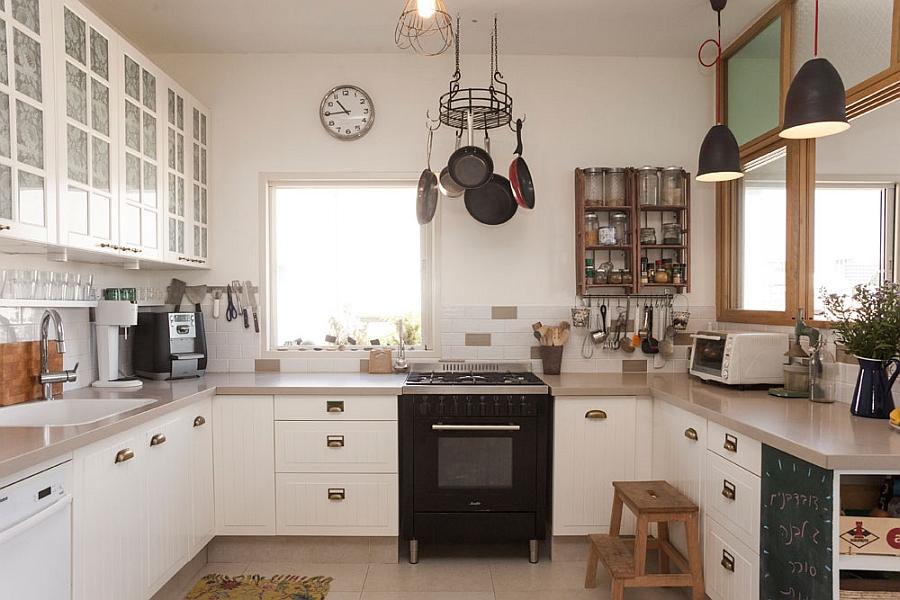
816, 103
425, 26
720, 157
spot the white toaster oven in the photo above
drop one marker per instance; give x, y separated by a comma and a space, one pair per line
739, 357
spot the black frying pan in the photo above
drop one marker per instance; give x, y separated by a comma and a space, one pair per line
492, 203
519, 175
470, 166
427, 191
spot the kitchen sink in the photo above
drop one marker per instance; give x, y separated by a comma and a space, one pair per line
40, 413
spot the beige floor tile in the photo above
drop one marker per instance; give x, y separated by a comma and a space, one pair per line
433, 575
514, 575
344, 595
345, 577
598, 593
425, 596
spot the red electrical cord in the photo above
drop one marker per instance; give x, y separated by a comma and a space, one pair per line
718, 43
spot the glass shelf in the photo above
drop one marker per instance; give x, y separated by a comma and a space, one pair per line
15, 302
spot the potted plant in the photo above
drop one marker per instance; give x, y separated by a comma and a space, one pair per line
867, 323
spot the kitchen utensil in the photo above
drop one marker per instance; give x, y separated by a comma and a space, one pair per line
253, 306
650, 345
492, 203
217, 301
176, 293
230, 311
470, 166
237, 289
447, 185
644, 331
667, 345
427, 190
602, 334
587, 346
519, 175
195, 294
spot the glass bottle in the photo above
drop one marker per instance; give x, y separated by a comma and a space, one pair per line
671, 233
614, 187
648, 186
591, 229
619, 221
648, 236
671, 187
593, 186
589, 269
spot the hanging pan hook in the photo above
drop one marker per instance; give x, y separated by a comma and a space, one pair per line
430, 121
520, 122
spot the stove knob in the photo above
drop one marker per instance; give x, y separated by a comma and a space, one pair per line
497, 405
455, 409
510, 408
525, 407
482, 408
470, 408
423, 407
440, 406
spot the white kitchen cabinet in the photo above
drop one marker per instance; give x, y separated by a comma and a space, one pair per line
244, 459
200, 186
203, 521
107, 520
730, 567
27, 122
596, 440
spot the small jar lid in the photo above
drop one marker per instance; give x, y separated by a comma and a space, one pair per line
594, 170
618, 215
672, 169
648, 168
616, 169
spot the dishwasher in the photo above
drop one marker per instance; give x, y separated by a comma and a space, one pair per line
36, 536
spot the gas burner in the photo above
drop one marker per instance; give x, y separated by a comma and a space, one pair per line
505, 381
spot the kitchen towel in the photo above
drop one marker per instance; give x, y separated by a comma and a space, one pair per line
246, 587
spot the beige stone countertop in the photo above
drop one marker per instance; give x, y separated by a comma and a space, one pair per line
823, 434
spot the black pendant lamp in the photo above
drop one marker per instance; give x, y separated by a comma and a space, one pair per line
720, 157
816, 105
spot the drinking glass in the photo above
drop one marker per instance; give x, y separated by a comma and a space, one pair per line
26, 282
44, 285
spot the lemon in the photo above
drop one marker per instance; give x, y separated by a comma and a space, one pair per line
895, 416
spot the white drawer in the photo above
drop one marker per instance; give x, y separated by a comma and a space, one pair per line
335, 408
336, 447
732, 498
336, 504
738, 448
730, 568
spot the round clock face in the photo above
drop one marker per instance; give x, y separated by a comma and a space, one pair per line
347, 112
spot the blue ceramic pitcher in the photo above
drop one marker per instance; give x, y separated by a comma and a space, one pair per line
872, 397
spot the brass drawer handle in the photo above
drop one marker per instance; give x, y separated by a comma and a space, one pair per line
727, 561
691, 434
336, 493
730, 443
335, 441
4, 227
123, 455
199, 421
728, 490
158, 439
595, 414
335, 406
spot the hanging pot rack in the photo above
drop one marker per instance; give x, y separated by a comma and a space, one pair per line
491, 107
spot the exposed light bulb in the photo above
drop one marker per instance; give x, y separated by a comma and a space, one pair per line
425, 8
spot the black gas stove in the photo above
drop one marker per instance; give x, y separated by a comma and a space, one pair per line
484, 378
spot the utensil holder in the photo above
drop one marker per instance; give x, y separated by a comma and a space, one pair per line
551, 356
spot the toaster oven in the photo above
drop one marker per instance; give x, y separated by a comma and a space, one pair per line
739, 357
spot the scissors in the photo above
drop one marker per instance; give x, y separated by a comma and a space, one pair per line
230, 312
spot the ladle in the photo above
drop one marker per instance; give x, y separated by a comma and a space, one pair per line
602, 334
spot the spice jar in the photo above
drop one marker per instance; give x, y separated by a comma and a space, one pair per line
619, 221
589, 269
627, 277
648, 186
648, 235
615, 277
671, 185
677, 274
607, 235
662, 276
593, 186
591, 226
614, 187
671, 233
601, 274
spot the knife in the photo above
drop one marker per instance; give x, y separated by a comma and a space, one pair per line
250, 293
242, 303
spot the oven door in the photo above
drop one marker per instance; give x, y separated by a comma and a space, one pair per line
465, 464
708, 354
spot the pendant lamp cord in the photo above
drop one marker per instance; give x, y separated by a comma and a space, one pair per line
715, 63
816, 38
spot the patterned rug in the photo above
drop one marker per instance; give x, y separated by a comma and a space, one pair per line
247, 587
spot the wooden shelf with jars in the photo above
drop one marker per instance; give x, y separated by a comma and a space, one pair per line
613, 205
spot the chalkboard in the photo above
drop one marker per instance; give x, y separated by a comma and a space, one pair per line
796, 553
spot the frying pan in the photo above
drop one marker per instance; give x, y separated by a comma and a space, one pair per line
492, 203
427, 192
519, 175
470, 166
450, 188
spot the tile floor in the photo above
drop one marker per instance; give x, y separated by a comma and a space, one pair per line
447, 573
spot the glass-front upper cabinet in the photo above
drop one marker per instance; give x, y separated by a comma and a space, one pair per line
176, 226
27, 197
200, 135
88, 204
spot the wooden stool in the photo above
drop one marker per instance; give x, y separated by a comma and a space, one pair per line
650, 501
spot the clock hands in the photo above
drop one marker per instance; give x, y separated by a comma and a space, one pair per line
346, 112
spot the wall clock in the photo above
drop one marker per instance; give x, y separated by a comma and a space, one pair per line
347, 112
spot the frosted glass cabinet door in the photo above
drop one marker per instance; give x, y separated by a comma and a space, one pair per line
27, 118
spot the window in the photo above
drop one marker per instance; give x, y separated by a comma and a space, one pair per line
347, 260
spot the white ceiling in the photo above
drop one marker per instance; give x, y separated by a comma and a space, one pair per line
672, 28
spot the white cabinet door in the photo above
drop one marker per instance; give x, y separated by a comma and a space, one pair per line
27, 122
244, 458
336, 447
199, 221
593, 445
107, 519
730, 568
203, 521
166, 499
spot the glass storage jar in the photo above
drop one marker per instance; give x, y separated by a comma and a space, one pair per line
648, 186
593, 186
671, 234
671, 186
615, 277
601, 274
614, 187
648, 236
591, 226
627, 277
589, 269
619, 221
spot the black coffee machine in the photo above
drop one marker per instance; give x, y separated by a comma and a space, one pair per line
169, 345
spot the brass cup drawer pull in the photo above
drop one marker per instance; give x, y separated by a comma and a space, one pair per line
727, 561
4, 227
730, 443
691, 434
124, 455
335, 441
595, 414
336, 493
158, 439
728, 490
200, 420
334, 406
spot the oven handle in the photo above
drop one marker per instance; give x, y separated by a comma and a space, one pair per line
440, 427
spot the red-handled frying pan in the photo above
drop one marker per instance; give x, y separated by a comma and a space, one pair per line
519, 175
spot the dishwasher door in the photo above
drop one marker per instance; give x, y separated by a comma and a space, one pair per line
36, 537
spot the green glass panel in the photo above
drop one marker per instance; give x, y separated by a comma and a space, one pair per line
752, 88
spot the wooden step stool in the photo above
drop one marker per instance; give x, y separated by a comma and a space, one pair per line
625, 560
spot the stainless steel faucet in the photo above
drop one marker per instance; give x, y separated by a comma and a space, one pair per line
47, 378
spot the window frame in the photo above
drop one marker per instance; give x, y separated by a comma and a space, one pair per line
428, 248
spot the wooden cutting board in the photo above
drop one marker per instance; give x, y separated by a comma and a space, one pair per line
20, 365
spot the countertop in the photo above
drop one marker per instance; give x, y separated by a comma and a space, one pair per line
823, 434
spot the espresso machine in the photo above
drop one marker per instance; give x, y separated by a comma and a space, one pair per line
110, 315
169, 345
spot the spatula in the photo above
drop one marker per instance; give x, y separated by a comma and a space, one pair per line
176, 293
